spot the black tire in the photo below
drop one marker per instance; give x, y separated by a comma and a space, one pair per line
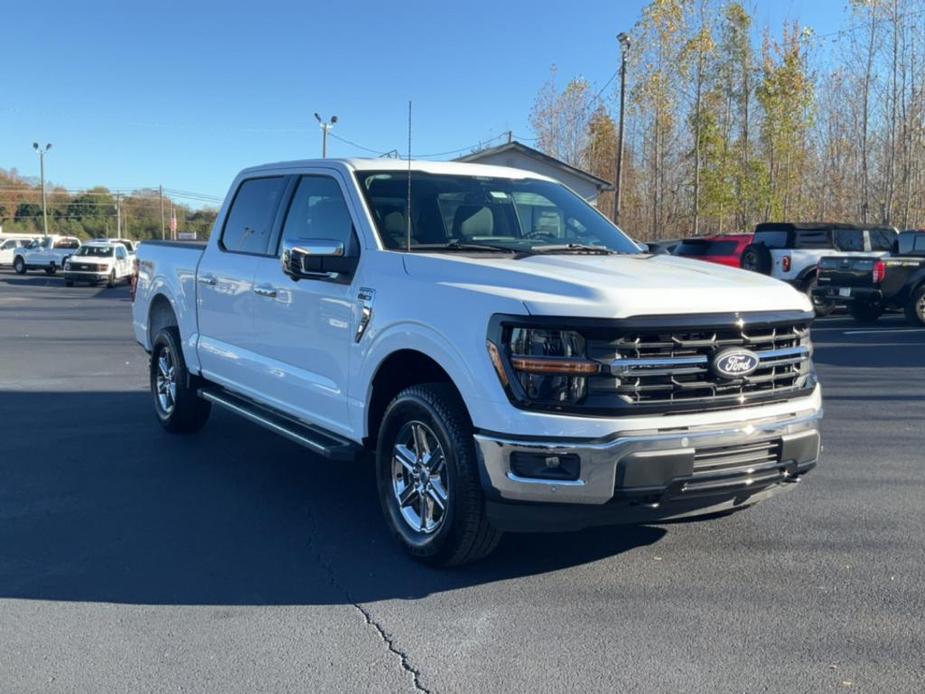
19, 265
915, 307
111, 282
68, 283
865, 312
183, 412
462, 534
822, 307
757, 258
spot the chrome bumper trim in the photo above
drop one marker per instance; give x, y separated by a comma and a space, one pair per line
600, 459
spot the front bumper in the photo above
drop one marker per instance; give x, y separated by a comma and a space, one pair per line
835, 295
651, 475
86, 276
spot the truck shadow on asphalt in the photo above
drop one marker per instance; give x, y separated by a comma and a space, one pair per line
38, 280
109, 508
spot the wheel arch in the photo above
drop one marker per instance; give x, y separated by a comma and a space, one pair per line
161, 314
400, 369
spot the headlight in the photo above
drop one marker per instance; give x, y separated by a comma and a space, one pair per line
543, 366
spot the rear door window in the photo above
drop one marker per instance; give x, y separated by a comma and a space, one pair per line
250, 220
772, 239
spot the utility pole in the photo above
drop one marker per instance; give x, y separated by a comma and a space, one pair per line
41, 151
510, 136
618, 193
118, 215
160, 192
325, 129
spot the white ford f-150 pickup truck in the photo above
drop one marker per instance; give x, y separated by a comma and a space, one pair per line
508, 356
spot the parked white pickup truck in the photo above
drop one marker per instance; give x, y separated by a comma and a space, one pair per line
48, 254
510, 358
99, 261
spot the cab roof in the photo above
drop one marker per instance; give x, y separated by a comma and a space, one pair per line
401, 165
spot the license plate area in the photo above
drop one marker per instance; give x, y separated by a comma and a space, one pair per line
844, 291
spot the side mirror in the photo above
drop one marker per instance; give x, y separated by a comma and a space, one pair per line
316, 259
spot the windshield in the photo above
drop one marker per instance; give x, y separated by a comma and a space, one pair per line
95, 251
485, 214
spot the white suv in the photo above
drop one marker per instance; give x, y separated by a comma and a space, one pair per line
791, 251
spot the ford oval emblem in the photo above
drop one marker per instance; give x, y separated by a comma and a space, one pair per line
735, 363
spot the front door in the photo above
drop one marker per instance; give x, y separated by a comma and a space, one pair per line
304, 328
225, 285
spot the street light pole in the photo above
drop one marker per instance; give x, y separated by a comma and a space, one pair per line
325, 128
618, 193
41, 151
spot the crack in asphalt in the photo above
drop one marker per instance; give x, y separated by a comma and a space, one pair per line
389, 642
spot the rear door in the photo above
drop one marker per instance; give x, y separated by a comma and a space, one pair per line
225, 284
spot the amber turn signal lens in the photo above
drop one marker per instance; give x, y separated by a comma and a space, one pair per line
495, 357
547, 365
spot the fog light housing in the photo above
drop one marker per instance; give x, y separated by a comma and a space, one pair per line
546, 466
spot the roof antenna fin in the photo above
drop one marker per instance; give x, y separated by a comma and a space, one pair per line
408, 207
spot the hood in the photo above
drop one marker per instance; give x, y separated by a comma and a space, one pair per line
612, 286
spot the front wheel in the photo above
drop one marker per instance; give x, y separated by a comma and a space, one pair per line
915, 307
178, 407
865, 312
111, 282
19, 265
428, 480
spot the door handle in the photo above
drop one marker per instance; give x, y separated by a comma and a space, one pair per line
207, 279
265, 290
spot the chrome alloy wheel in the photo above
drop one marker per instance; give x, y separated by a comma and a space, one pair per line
165, 382
419, 477
920, 308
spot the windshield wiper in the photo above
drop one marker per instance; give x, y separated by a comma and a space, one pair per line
457, 245
572, 248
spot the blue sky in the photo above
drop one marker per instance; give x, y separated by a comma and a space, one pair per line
185, 94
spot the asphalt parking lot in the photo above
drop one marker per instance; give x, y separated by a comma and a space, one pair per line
232, 561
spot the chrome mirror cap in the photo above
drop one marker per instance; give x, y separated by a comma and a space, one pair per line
305, 258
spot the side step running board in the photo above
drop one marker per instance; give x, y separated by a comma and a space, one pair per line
316, 439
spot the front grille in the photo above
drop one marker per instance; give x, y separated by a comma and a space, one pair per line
708, 461
84, 267
668, 370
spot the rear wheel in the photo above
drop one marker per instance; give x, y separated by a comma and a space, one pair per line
428, 479
915, 307
68, 283
19, 265
822, 307
865, 312
178, 407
